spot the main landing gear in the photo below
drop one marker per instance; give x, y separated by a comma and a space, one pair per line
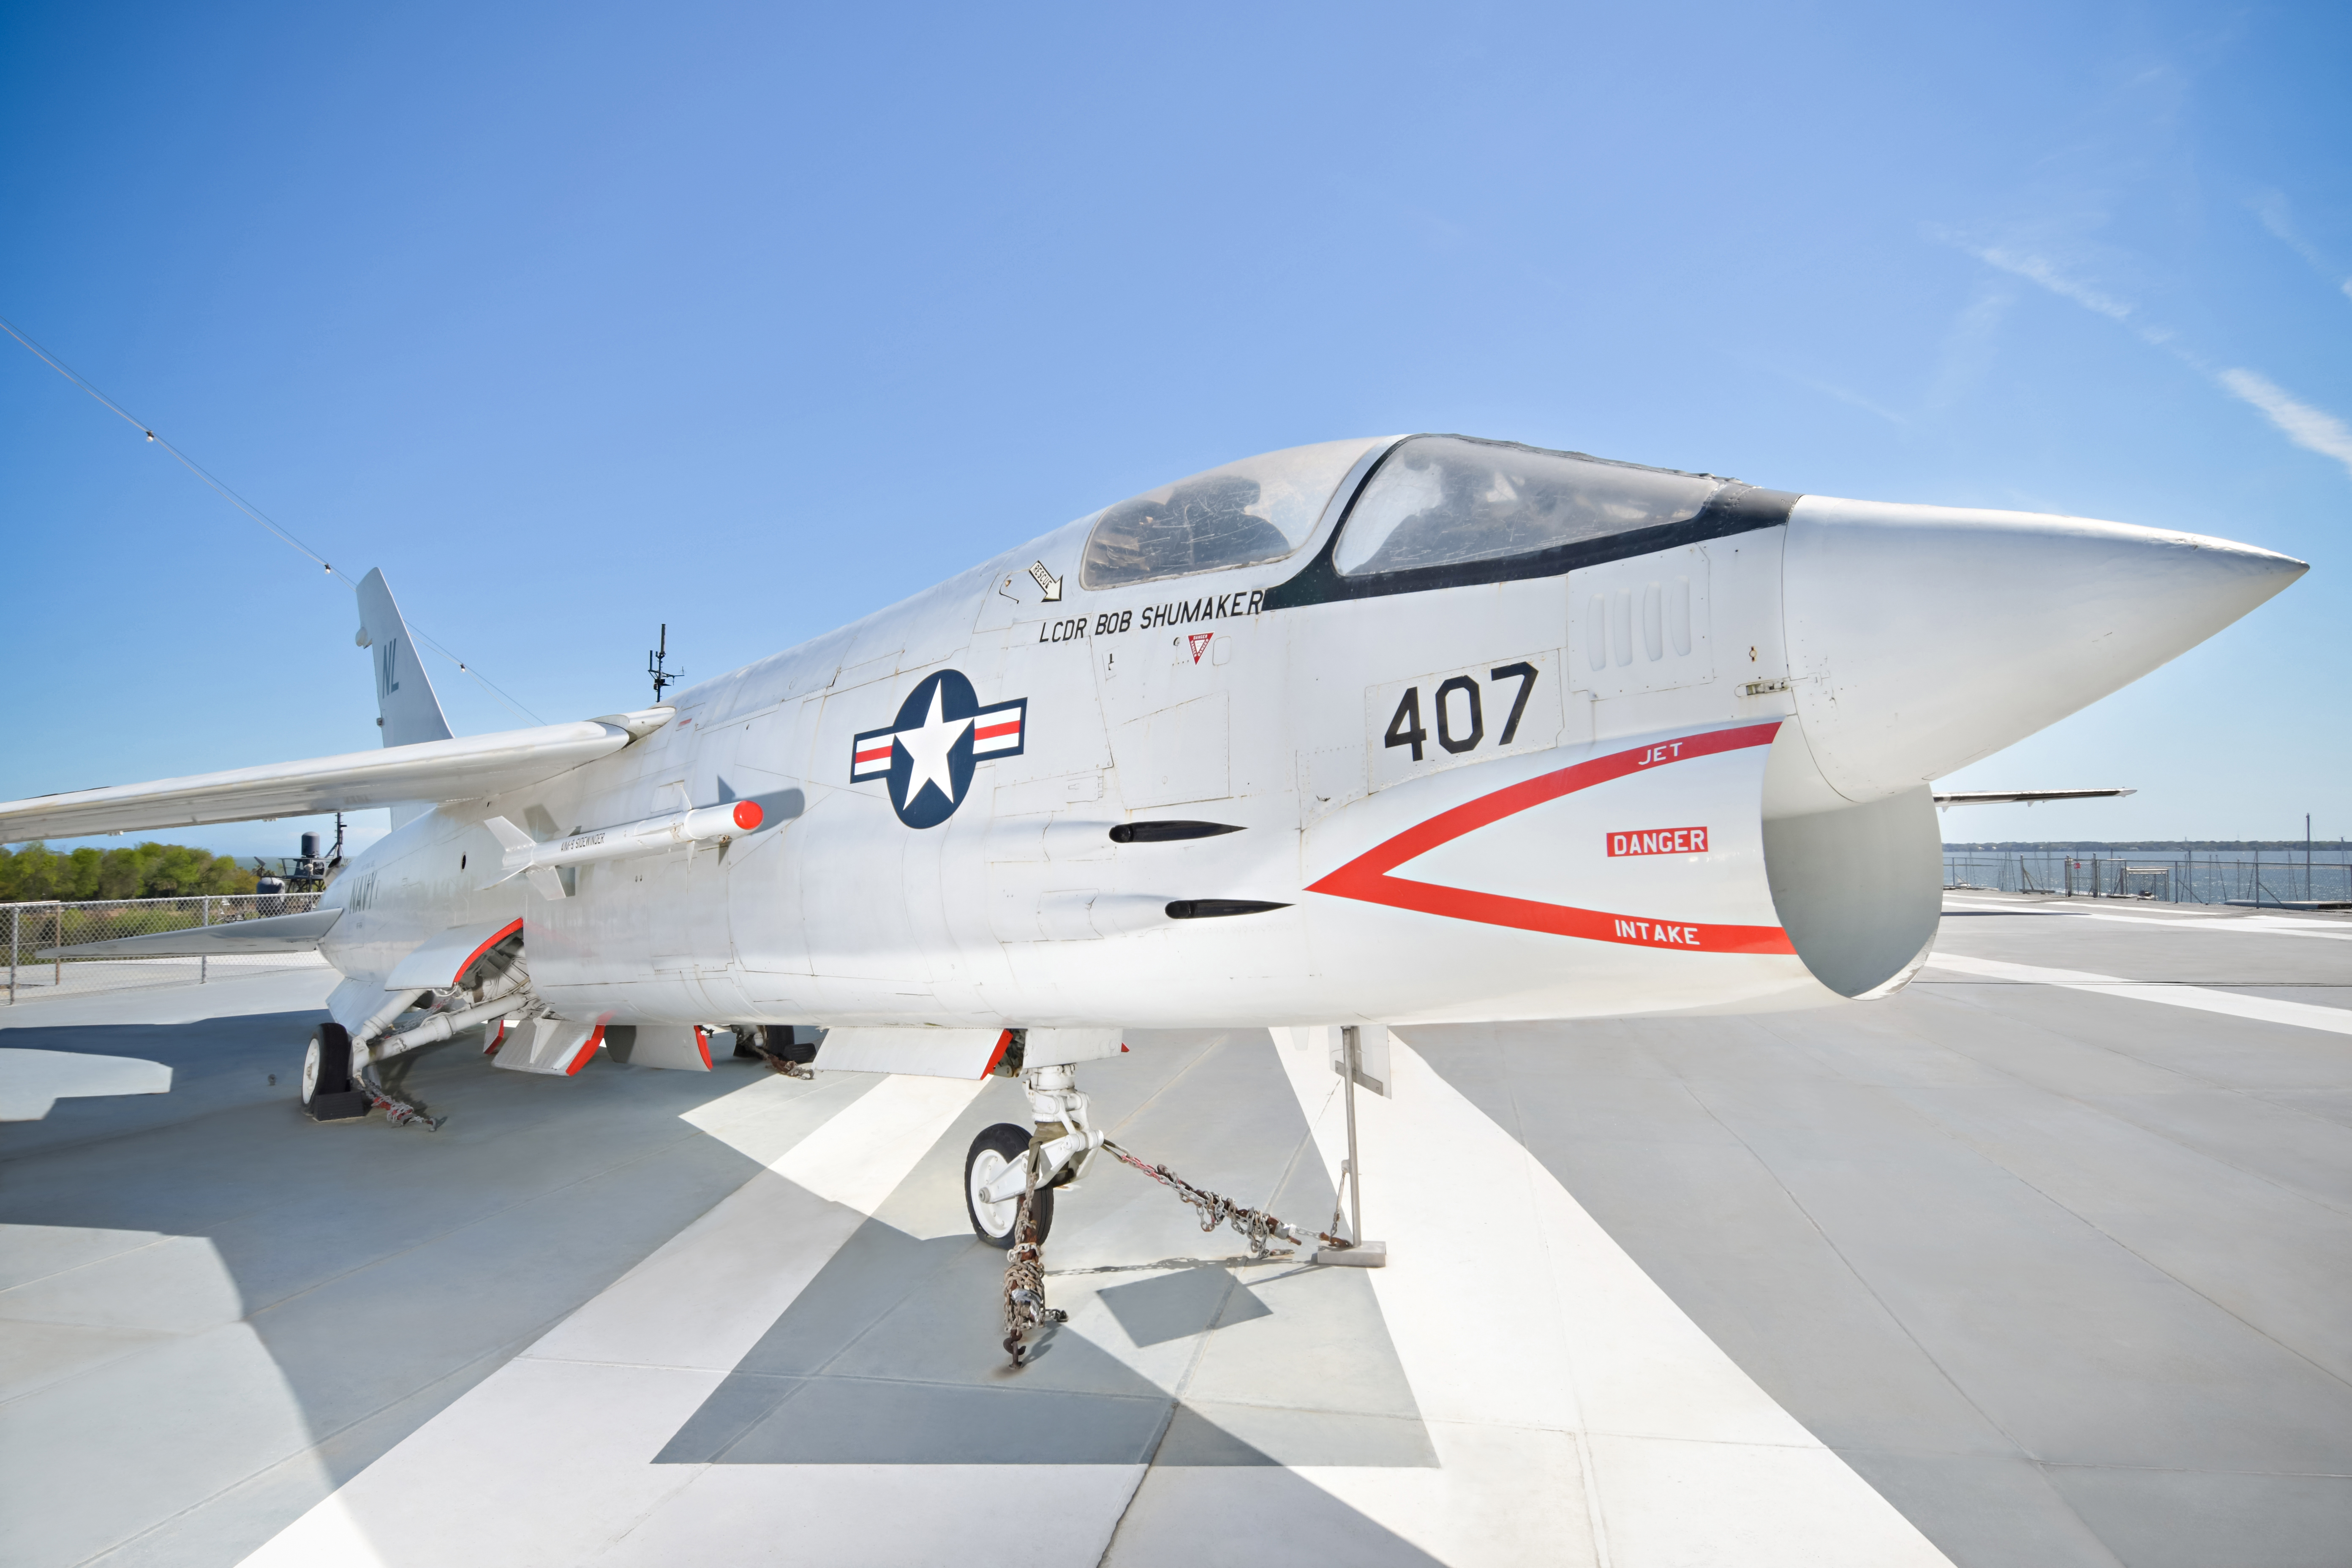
328, 1092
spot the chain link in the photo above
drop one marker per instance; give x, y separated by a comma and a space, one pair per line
1024, 1266
1260, 1227
396, 1110
1024, 1279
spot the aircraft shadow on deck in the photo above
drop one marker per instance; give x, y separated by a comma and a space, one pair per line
892, 1353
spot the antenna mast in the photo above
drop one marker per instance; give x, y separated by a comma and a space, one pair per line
656, 658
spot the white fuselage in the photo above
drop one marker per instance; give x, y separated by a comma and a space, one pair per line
1695, 807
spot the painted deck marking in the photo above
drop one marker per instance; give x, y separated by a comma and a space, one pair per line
1587, 1419
2263, 1009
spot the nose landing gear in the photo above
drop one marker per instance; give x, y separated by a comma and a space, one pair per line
998, 1150
1010, 1177
1006, 1163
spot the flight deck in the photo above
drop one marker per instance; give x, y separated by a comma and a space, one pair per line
2042, 1261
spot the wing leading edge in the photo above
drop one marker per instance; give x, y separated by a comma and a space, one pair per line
429, 772
2026, 796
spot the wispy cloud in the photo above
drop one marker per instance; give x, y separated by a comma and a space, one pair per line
2271, 207
1851, 399
2041, 270
1969, 346
2038, 269
2314, 429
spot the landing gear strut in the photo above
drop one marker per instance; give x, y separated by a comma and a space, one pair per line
1009, 1176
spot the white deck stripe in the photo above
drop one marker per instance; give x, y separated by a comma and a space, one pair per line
549, 1460
1552, 1372
2300, 1014
2244, 925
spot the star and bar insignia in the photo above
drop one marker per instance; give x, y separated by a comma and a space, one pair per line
942, 733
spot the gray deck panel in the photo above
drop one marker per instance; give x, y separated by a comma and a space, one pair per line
2060, 1273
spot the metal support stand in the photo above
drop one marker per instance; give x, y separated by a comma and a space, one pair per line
1364, 1253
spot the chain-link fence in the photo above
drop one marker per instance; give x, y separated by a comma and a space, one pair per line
2285, 881
32, 930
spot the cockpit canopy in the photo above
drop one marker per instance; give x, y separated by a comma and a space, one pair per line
1439, 500
1430, 501
1260, 508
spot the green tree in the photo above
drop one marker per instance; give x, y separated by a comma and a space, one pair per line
37, 874
118, 874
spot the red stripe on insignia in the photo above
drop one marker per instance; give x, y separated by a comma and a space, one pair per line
1366, 878
995, 730
872, 756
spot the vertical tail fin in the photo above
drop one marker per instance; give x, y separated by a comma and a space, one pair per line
405, 705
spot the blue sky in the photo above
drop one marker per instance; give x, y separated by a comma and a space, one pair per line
576, 320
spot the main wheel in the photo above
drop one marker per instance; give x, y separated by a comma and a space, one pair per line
998, 1147
327, 1063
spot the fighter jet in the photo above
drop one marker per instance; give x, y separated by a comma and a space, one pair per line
1370, 733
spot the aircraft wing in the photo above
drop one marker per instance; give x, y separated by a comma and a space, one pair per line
429, 770
2025, 796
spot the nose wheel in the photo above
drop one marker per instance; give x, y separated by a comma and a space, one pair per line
999, 1151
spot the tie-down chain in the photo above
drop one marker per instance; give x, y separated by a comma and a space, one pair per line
1024, 1266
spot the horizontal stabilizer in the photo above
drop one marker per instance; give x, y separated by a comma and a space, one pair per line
277, 934
2026, 796
428, 772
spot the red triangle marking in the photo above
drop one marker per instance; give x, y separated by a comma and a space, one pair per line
1199, 640
1366, 878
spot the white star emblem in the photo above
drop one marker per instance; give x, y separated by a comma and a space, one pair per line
928, 749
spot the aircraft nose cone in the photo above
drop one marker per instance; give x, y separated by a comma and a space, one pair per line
1921, 638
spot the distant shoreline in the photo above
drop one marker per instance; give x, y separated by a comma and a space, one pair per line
2331, 848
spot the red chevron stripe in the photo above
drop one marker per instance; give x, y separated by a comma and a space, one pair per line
1367, 879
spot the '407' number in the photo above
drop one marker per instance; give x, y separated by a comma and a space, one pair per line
1460, 713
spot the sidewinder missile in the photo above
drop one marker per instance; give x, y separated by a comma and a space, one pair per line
526, 856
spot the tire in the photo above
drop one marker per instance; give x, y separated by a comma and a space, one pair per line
327, 1063
997, 1147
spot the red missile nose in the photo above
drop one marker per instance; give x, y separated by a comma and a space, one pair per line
748, 815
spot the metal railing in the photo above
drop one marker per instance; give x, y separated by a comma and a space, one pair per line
2286, 880
31, 930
